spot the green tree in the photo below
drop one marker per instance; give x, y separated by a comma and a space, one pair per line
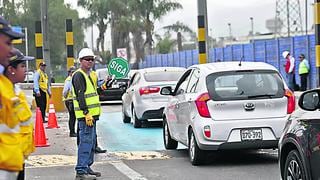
179, 27
165, 45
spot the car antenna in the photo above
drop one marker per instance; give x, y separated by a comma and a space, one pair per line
241, 60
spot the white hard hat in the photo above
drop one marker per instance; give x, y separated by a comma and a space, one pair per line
84, 52
285, 54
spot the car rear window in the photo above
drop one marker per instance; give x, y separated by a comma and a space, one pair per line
239, 85
160, 76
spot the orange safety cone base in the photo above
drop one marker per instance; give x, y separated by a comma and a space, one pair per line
39, 133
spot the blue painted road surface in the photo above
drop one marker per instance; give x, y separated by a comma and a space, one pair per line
114, 135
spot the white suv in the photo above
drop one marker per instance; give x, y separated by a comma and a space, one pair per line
226, 105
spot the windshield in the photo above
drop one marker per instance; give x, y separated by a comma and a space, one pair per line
160, 76
244, 85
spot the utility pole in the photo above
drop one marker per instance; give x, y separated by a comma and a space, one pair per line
252, 32
230, 31
45, 32
202, 31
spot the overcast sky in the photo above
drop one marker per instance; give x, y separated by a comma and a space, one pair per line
220, 13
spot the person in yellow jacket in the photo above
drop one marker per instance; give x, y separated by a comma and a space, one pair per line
15, 72
87, 109
41, 88
11, 156
304, 69
68, 100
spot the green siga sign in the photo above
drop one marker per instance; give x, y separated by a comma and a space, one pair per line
118, 67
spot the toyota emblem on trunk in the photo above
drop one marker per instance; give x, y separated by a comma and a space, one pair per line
249, 106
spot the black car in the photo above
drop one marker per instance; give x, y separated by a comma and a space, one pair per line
299, 145
117, 89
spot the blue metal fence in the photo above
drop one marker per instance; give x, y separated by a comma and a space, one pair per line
269, 51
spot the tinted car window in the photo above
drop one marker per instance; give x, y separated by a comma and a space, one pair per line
161, 76
239, 85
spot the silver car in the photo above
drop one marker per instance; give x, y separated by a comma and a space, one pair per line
226, 105
142, 100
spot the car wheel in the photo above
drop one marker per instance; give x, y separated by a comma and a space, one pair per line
125, 118
196, 155
294, 168
169, 143
136, 122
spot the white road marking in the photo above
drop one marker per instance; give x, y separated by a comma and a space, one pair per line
126, 170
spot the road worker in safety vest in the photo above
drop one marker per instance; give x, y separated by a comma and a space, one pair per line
11, 155
16, 72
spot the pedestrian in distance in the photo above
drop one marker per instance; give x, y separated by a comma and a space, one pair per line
11, 161
16, 72
304, 69
41, 89
68, 101
87, 109
289, 68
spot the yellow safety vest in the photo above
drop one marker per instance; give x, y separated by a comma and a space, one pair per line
91, 96
303, 69
11, 156
43, 80
26, 125
69, 95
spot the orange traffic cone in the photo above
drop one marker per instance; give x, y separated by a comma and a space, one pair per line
40, 139
52, 121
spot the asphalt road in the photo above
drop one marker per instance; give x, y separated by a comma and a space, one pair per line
138, 154
119, 137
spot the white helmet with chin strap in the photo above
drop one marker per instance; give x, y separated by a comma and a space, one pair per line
84, 52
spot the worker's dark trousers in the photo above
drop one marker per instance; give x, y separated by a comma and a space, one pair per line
304, 81
42, 103
72, 116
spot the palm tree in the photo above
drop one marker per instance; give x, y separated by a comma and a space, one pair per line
152, 10
179, 27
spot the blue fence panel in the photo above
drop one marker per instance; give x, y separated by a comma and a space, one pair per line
148, 61
228, 53
219, 54
237, 52
158, 60
259, 50
313, 71
164, 60
272, 53
195, 54
176, 62
211, 55
182, 59
170, 60
188, 58
248, 52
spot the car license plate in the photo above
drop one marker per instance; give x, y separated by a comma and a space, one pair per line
251, 134
115, 85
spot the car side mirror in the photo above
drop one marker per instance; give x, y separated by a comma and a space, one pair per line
167, 90
309, 100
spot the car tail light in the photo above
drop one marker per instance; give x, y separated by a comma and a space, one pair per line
202, 106
148, 90
207, 131
291, 101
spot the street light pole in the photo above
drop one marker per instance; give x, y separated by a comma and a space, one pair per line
252, 32
230, 31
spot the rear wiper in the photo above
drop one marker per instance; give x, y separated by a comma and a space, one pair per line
262, 95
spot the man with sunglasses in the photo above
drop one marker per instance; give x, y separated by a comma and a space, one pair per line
87, 110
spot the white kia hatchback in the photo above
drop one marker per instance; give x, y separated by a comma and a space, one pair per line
226, 105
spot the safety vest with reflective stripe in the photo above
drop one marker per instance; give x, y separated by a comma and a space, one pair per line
11, 156
91, 96
43, 80
26, 125
303, 68
69, 95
